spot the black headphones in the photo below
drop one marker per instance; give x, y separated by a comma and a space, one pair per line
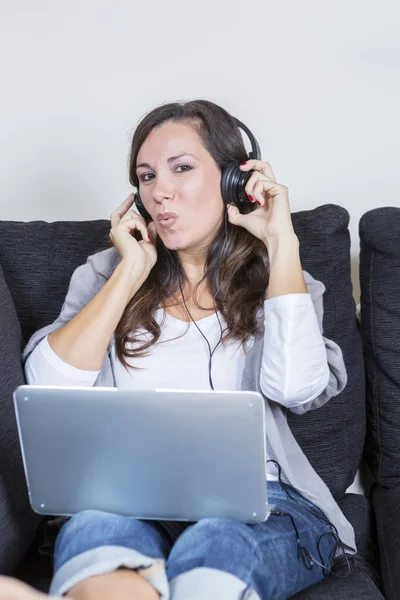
233, 180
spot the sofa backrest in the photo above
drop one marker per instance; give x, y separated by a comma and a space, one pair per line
380, 320
18, 522
332, 437
38, 259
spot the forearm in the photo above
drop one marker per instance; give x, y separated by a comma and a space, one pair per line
286, 273
294, 365
294, 368
83, 341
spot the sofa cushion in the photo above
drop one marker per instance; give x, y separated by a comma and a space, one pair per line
17, 521
358, 510
357, 586
386, 503
38, 272
380, 324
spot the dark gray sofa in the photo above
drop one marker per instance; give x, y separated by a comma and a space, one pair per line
37, 260
380, 319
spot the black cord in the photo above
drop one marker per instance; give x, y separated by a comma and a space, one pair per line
302, 552
211, 353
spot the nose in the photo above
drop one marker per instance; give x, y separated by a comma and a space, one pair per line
162, 190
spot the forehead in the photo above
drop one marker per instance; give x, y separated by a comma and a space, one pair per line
169, 139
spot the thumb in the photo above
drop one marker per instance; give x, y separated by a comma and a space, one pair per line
234, 215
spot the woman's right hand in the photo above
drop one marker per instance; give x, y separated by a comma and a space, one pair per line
140, 254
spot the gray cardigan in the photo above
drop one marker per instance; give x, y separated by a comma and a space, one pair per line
87, 280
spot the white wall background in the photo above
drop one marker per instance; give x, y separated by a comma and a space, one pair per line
316, 81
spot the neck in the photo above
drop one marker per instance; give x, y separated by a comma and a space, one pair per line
193, 262
194, 271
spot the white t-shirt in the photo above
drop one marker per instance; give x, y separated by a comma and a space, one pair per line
294, 357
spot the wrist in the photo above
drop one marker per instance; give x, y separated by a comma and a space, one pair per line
131, 275
285, 270
285, 245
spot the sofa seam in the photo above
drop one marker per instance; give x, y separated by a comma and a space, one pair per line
342, 408
375, 390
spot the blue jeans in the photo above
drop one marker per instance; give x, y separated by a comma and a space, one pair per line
214, 559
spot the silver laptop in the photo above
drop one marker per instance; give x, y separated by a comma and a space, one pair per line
163, 454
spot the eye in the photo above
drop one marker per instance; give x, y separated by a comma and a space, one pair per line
145, 179
182, 166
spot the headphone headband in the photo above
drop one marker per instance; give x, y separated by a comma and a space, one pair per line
255, 148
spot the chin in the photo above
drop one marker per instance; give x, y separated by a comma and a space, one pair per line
175, 242
175, 245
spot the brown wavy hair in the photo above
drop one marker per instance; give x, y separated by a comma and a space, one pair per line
236, 268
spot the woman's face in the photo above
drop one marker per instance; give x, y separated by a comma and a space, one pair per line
177, 175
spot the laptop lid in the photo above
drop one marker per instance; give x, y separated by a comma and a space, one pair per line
164, 454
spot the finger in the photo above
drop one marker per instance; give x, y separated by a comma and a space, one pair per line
258, 165
121, 210
152, 232
133, 224
131, 214
255, 179
258, 193
266, 190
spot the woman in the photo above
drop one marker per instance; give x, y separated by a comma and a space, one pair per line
150, 312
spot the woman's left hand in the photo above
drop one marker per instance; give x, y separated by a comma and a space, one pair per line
272, 217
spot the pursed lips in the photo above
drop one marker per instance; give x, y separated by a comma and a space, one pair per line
167, 219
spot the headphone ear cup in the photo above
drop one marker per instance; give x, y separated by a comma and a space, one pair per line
233, 183
141, 209
225, 178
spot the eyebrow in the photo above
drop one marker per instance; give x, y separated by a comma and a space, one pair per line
170, 160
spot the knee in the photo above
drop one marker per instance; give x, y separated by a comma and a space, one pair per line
220, 534
86, 520
220, 528
86, 530
221, 544
216, 526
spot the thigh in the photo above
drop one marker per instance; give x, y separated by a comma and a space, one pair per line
264, 556
94, 543
92, 529
290, 562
